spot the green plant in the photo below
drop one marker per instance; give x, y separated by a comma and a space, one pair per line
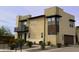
48, 43
34, 42
59, 45
19, 43
4, 31
78, 43
12, 46
42, 44
29, 43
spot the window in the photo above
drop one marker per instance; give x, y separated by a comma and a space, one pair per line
51, 21
25, 23
41, 35
71, 23
53, 25
57, 21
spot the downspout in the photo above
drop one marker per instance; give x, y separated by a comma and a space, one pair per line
44, 30
57, 29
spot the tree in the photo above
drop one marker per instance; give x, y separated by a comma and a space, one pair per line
4, 31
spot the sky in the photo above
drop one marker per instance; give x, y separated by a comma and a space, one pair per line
8, 13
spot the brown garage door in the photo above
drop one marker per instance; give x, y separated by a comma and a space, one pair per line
68, 39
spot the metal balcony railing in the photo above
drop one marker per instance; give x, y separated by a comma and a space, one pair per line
21, 29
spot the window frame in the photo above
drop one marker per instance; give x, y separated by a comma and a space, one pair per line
41, 35
71, 24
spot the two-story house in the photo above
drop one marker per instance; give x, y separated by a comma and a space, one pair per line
55, 26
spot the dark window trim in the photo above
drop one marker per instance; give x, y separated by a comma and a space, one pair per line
71, 20
51, 33
53, 16
56, 24
23, 20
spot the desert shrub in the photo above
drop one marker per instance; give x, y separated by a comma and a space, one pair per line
59, 45
12, 46
34, 42
48, 43
40, 42
20, 43
78, 43
29, 43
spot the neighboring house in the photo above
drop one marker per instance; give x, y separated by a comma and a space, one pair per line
55, 26
77, 34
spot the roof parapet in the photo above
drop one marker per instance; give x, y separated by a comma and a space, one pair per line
26, 17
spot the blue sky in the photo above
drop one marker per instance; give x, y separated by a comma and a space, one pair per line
8, 13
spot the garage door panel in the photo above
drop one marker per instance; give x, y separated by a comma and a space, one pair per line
68, 39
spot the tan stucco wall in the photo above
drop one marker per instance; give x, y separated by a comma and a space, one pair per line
64, 27
17, 23
52, 11
52, 39
77, 32
36, 27
78, 36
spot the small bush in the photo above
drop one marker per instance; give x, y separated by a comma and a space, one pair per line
20, 43
30, 44
78, 43
12, 46
34, 42
48, 43
59, 45
40, 42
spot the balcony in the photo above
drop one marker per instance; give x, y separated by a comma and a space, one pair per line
21, 29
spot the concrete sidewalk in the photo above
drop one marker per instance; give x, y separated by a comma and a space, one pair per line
48, 49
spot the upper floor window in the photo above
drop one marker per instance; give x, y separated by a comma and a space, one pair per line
72, 23
53, 24
25, 23
51, 21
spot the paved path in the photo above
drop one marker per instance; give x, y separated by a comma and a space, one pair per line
48, 49
64, 49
